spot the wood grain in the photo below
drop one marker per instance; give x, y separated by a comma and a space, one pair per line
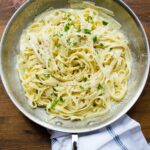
19, 133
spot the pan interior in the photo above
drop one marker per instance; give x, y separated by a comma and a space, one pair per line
10, 49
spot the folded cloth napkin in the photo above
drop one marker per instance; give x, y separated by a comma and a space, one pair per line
124, 134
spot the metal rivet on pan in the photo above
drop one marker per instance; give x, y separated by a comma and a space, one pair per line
58, 123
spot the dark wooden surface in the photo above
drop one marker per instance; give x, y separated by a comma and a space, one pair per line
19, 133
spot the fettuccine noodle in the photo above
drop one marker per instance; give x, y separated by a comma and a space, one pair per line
74, 62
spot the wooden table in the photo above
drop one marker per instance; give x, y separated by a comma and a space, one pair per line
19, 133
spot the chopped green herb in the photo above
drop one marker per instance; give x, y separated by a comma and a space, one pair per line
53, 76
101, 94
81, 87
101, 45
68, 41
110, 49
89, 19
78, 30
54, 103
105, 23
69, 19
38, 84
60, 34
87, 31
36, 75
61, 99
66, 27
75, 44
94, 38
47, 75
71, 23
58, 45
85, 79
68, 15
100, 86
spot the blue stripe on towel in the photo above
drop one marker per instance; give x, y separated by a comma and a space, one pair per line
53, 141
116, 138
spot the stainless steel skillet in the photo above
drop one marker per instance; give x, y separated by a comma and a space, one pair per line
131, 26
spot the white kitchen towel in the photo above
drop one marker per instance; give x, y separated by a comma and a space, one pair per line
124, 134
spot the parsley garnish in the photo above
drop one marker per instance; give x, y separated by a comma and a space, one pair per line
87, 31
61, 99
105, 23
58, 45
60, 35
85, 79
78, 30
81, 87
101, 94
69, 19
94, 38
38, 84
68, 15
36, 75
100, 86
66, 27
54, 103
89, 19
68, 41
101, 45
47, 75
75, 44
110, 49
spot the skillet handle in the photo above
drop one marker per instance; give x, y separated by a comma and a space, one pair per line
74, 141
